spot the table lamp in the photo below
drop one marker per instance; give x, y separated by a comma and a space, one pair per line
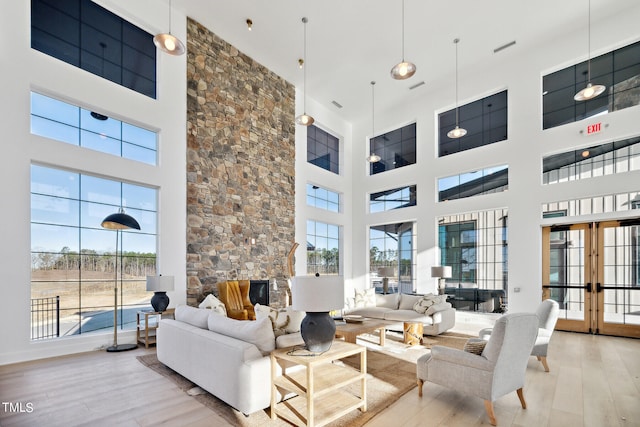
317, 296
160, 285
385, 272
441, 272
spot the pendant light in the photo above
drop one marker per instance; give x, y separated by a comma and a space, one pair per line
373, 157
167, 42
591, 91
304, 119
458, 132
404, 69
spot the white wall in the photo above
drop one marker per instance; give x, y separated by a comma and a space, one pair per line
24, 70
523, 152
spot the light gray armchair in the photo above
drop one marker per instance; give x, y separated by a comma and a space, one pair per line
499, 370
547, 313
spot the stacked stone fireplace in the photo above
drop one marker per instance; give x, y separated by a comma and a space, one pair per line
240, 168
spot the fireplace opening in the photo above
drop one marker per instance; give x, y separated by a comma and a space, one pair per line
259, 292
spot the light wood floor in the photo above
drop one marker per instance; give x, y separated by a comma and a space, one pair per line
594, 381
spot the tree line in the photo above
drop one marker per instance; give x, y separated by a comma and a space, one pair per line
133, 263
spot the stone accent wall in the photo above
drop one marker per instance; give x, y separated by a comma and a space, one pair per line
240, 168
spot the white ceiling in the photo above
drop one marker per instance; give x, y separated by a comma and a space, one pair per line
352, 42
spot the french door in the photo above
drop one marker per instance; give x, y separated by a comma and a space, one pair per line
593, 271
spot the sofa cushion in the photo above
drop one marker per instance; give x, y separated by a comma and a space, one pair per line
192, 315
387, 301
365, 298
408, 301
375, 312
214, 304
258, 332
407, 316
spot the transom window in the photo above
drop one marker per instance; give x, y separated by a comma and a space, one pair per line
393, 199
605, 159
322, 198
68, 123
484, 181
396, 149
323, 149
73, 258
88, 36
618, 70
485, 121
323, 248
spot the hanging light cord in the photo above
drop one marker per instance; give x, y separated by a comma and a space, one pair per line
589, 45
456, 42
304, 68
373, 116
402, 30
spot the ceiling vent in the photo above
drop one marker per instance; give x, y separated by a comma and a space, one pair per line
337, 104
416, 85
504, 46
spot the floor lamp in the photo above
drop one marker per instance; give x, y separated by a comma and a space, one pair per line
118, 221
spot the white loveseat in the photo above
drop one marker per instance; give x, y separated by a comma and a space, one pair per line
436, 315
229, 358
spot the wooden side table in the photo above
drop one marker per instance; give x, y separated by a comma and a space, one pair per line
321, 397
413, 333
146, 329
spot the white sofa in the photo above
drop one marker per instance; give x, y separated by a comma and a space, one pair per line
229, 358
438, 317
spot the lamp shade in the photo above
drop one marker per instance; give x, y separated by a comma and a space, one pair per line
160, 283
317, 293
120, 221
443, 271
385, 271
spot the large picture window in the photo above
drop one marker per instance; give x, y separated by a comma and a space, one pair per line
485, 181
323, 198
618, 70
396, 149
88, 36
323, 149
485, 121
68, 123
323, 248
475, 246
392, 257
396, 198
73, 258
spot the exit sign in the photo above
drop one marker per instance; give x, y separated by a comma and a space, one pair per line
594, 128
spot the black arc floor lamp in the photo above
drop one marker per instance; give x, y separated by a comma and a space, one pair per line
118, 221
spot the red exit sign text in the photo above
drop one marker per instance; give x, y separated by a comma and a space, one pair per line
594, 128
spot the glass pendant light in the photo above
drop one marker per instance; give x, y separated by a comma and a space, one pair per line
591, 91
304, 119
457, 132
373, 157
167, 42
404, 69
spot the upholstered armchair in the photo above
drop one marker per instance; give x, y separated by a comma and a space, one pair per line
234, 295
498, 370
547, 313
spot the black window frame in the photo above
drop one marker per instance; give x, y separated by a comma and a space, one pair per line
396, 149
323, 149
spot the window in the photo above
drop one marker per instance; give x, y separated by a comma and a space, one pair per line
392, 199
485, 181
618, 70
87, 36
396, 149
605, 159
73, 257
323, 149
608, 203
485, 121
392, 257
74, 125
322, 198
475, 246
323, 248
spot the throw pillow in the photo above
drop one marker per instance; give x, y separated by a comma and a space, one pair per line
213, 303
365, 298
437, 307
279, 319
408, 301
387, 301
475, 346
295, 319
427, 301
192, 315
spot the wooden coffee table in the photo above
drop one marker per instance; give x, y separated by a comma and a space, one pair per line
351, 330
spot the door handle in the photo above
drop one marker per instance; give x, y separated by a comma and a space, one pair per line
589, 287
599, 287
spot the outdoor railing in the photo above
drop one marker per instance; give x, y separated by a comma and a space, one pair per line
45, 318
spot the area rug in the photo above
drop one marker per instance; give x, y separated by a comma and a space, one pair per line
388, 379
